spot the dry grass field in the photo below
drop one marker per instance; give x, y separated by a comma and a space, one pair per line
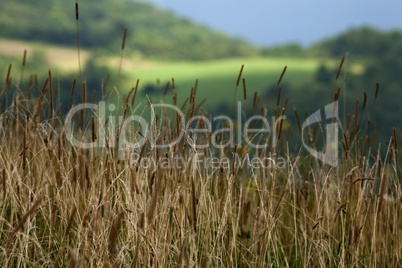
61, 205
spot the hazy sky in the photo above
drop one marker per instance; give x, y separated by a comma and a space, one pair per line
267, 22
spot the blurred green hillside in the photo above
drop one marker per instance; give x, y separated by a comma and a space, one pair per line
153, 33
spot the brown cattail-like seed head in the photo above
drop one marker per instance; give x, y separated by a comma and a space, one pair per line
24, 151
288, 134
195, 86
135, 92
174, 97
59, 147
124, 39
240, 73
281, 124
283, 73
279, 96
126, 101
84, 92
346, 145
337, 94
9, 82
257, 101
377, 87
286, 103
51, 94
298, 120
340, 68
24, 58
166, 88
244, 89
40, 100
8, 76
191, 95
379, 166
93, 129
365, 100
73, 87
76, 10
255, 98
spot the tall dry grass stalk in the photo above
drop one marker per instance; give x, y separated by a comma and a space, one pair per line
8, 77
340, 68
237, 85
244, 89
51, 94
123, 45
78, 39
23, 66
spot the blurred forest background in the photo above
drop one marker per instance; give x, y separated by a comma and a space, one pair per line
160, 46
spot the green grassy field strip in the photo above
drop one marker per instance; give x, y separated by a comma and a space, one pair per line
217, 79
